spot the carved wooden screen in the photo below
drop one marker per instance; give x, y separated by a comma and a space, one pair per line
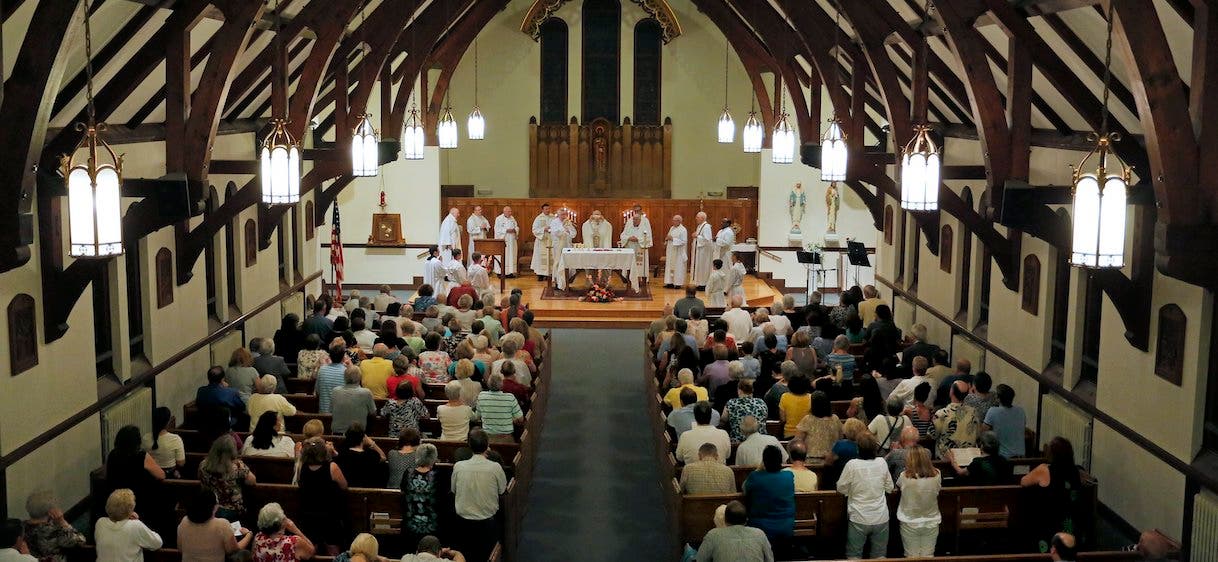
554, 71
1169, 348
602, 42
600, 159
946, 240
251, 243
164, 278
1030, 286
647, 42
22, 334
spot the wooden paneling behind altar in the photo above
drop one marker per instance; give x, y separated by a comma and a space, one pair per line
659, 212
600, 159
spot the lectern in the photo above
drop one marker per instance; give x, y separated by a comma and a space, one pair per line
495, 249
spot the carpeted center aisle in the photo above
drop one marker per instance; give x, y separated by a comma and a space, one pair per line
594, 494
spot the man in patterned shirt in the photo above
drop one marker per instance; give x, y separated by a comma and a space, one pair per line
956, 425
707, 475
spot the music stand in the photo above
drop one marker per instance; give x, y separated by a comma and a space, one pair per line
856, 252
810, 261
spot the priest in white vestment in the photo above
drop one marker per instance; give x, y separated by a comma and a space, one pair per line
703, 251
636, 235
507, 229
542, 260
479, 278
675, 253
724, 240
562, 232
735, 285
716, 285
433, 268
450, 234
477, 226
598, 232
454, 273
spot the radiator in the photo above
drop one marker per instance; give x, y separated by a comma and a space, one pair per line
134, 409
1060, 419
1205, 528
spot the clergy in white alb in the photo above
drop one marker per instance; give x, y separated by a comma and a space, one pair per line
433, 268
597, 232
478, 228
479, 278
724, 240
450, 234
454, 273
636, 235
703, 251
542, 260
675, 256
563, 231
735, 284
716, 285
507, 229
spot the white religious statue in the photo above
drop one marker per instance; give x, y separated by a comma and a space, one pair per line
454, 274
479, 278
724, 240
433, 268
676, 245
541, 263
506, 229
450, 234
478, 227
833, 201
716, 285
735, 282
636, 235
598, 232
797, 203
703, 251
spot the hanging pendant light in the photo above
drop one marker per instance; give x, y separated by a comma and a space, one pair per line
280, 166
365, 154
95, 228
920, 161
413, 139
1100, 197
753, 132
476, 125
727, 127
782, 143
833, 152
446, 129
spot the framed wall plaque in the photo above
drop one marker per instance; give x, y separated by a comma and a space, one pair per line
386, 230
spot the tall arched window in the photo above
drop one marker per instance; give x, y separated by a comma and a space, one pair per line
916, 258
1061, 295
648, 38
900, 228
1030, 285
602, 42
164, 278
310, 220
966, 256
1093, 306
888, 224
103, 326
946, 240
209, 254
135, 295
251, 242
554, 71
282, 243
230, 246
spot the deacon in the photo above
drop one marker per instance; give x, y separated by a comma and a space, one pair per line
598, 232
433, 268
541, 241
725, 239
478, 276
450, 234
704, 251
716, 285
506, 229
735, 285
637, 236
478, 227
675, 253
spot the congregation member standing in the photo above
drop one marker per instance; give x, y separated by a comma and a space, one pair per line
477, 484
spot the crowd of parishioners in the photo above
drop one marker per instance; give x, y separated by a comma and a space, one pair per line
367, 350
723, 379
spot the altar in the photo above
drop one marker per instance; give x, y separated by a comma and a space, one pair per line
622, 260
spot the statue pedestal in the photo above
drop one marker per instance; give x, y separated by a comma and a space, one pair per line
832, 240
796, 236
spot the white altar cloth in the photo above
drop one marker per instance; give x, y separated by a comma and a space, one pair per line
619, 259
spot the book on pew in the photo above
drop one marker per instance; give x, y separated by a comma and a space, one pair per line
964, 456
236, 525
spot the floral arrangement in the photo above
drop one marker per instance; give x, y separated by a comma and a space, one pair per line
600, 293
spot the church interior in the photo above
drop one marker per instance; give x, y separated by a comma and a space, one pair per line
531, 280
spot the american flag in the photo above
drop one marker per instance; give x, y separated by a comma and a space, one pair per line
336, 256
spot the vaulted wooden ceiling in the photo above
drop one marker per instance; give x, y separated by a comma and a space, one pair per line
1014, 74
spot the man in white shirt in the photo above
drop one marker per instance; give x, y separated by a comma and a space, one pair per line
542, 260
675, 254
12, 544
736, 278
431, 549
865, 481
703, 251
507, 229
478, 276
383, 299
748, 453
703, 432
454, 273
450, 234
716, 285
477, 484
477, 226
433, 268
905, 389
739, 321
725, 239
636, 235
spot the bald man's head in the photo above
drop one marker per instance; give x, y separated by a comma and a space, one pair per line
909, 436
963, 366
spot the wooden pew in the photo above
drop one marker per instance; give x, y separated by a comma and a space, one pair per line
742, 472
269, 470
305, 386
88, 553
309, 403
194, 441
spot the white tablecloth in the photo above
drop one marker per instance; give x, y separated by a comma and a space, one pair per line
618, 259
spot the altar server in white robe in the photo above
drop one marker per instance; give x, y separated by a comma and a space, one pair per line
450, 234
735, 285
507, 229
454, 273
636, 235
541, 263
433, 268
724, 240
479, 278
704, 251
716, 285
477, 226
675, 253
597, 232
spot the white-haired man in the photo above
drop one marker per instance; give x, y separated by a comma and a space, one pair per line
676, 244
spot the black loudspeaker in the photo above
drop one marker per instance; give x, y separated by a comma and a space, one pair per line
807, 257
857, 253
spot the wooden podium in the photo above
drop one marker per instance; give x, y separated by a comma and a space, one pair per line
495, 249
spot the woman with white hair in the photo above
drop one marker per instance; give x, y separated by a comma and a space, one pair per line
47, 533
120, 536
419, 515
273, 543
454, 415
266, 400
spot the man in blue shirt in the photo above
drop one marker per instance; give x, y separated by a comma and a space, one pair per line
217, 394
318, 323
1007, 421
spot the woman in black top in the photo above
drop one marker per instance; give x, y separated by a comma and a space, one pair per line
289, 340
129, 466
341, 329
322, 485
361, 460
989, 469
1055, 489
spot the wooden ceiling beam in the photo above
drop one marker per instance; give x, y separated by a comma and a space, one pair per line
748, 47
